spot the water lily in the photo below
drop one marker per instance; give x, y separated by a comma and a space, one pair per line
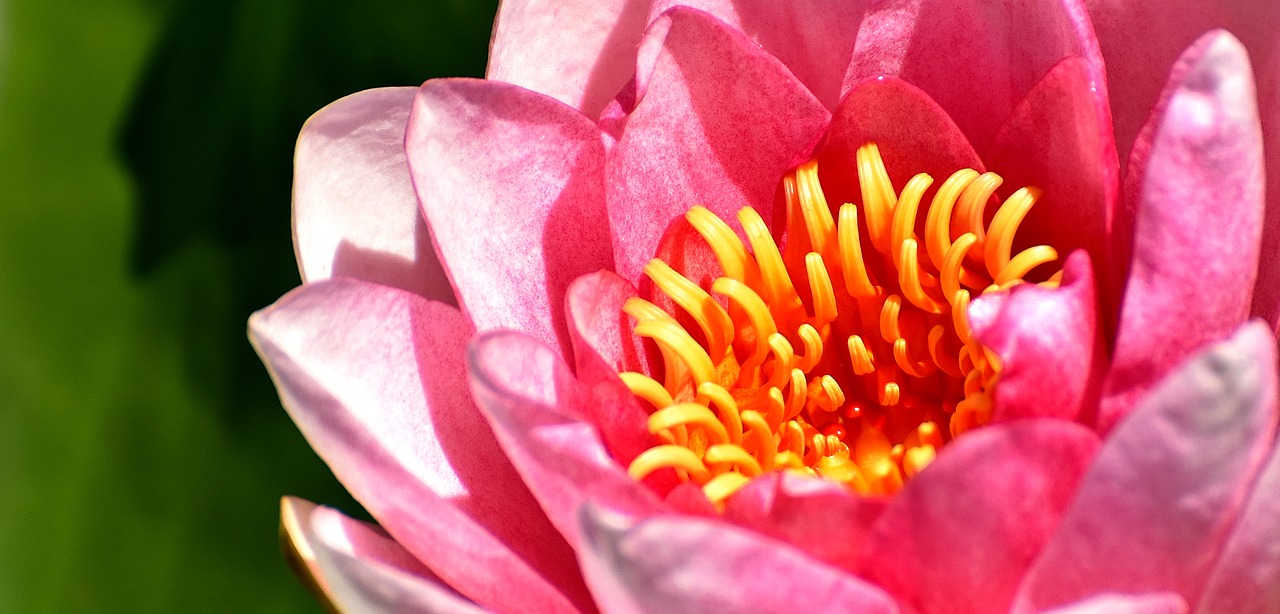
711, 308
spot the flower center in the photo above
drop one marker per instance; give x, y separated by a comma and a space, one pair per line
840, 355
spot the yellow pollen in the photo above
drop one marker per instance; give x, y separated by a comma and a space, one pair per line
757, 386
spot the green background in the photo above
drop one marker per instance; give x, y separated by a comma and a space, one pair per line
145, 166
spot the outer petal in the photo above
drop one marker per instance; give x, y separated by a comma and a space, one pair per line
1246, 579
683, 564
535, 407
1142, 39
821, 518
1157, 503
1049, 345
1113, 603
913, 133
511, 183
362, 569
715, 120
1199, 197
1059, 139
814, 38
590, 56
977, 58
960, 535
373, 376
354, 210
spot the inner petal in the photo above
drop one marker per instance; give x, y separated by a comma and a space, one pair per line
848, 354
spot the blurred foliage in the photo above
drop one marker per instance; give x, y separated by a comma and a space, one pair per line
147, 149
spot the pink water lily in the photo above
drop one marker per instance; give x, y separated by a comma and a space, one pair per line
469, 249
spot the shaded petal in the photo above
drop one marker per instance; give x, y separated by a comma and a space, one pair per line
1050, 348
1197, 178
820, 517
1246, 578
913, 133
1115, 603
960, 535
374, 378
685, 564
977, 58
354, 210
362, 568
589, 58
536, 409
814, 38
1142, 39
511, 183
1155, 507
603, 346
1059, 139
715, 120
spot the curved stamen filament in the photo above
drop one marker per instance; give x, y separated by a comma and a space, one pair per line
763, 391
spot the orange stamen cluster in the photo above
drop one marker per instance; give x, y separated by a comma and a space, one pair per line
841, 355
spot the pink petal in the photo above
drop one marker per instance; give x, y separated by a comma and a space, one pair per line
715, 121
1155, 507
1198, 174
590, 56
1114, 603
960, 535
819, 517
364, 569
814, 38
354, 210
1048, 342
686, 564
536, 409
1142, 39
913, 133
511, 184
374, 378
1058, 139
1246, 578
977, 58
602, 347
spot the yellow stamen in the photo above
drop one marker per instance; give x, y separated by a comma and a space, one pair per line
758, 391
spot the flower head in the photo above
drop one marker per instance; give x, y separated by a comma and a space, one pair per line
756, 306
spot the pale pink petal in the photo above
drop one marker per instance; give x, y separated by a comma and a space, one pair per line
580, 52
536, 408
1199, 205
822, 518
374, 378
960, 535
814, 38
1115, 603
603, 346
714, 120
511, 183
686, 564
1246, 578
1050, 348
354, 210
914, 135
1156, 506
1058, 139
977, 58
361, 567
